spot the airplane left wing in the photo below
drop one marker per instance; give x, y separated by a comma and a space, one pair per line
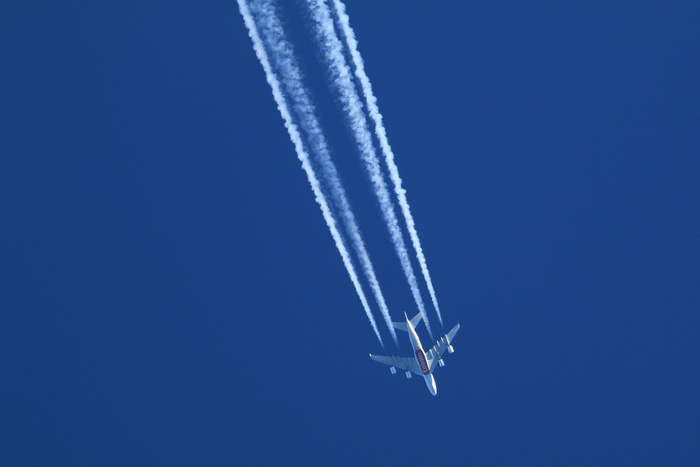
403, 363
442, 345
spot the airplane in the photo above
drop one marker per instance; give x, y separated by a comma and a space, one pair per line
421, 364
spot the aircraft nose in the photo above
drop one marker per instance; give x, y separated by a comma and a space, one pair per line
430, 382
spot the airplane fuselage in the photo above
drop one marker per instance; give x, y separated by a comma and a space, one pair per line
421, 358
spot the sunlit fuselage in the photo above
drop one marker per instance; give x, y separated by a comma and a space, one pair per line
420, 358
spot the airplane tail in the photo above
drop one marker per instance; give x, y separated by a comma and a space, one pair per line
403, 326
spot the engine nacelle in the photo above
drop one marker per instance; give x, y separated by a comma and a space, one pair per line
408, 375
393, 370
450, 349
441, 362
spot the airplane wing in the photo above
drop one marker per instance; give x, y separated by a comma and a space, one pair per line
440, 347
402, 363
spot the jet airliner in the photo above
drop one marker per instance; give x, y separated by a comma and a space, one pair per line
421, 363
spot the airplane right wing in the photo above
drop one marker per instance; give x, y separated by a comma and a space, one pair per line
442, 345
403, 363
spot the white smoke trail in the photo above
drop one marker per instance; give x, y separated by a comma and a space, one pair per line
343, 82
304, 158
283, 56
351, 41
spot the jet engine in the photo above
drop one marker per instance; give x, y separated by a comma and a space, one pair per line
450, 349
393, 370
441, 362
408, 375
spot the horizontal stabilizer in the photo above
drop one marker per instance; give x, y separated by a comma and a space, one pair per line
403, 326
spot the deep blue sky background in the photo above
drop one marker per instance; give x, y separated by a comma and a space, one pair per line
170, 294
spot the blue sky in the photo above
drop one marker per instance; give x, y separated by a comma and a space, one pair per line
171, 295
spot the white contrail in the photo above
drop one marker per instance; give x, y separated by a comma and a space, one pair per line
283, 56
351, 41
304, 158
343, 81
276, 40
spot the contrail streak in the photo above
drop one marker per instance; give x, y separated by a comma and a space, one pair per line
283, 56
351, 41
343, 82
304, 158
